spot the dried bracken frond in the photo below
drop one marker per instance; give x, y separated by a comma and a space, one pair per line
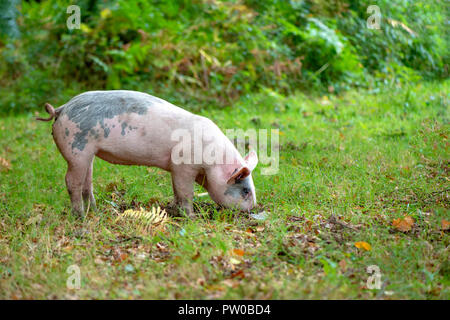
146, 221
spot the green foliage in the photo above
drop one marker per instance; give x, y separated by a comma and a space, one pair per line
8, 15
209, 52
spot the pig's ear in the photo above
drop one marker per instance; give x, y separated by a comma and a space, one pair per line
252, 160
241, 173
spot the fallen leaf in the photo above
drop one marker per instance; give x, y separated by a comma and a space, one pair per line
122, 257
404, 224
197, 255
234, 261
215, 287
230, 283
445, 224
5, 163
201, 282
238, 274
363, 245
238, 252
67, 248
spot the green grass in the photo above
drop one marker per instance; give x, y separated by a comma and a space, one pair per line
365, 158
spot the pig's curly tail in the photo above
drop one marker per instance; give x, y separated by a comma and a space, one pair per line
51, 111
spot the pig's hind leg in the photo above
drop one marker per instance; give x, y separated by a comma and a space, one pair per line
75, 177
88, 191
78, 164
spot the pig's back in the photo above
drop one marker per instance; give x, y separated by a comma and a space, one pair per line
99, 105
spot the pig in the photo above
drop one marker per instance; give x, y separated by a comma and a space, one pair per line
135, 128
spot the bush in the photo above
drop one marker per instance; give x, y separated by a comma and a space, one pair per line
209, 53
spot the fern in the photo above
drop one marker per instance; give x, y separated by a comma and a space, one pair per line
146, 221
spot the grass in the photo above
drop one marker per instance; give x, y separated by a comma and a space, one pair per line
349, 166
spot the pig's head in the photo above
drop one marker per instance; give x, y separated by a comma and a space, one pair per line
232, 185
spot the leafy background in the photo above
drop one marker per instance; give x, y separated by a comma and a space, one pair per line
208, 53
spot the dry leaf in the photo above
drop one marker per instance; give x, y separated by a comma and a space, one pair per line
122, 257
146, 221
201, 282
396, 23
238, 252
404, 224
238, 274
363, 245
230, 283
5, 163
67, 248
234, 261
197, 255
445, 224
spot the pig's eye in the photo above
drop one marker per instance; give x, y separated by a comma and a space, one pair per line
245, 191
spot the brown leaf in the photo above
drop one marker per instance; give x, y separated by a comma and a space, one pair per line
404, 224
201, 282
122, 257
230, 283
260, 228
5, 163
445, 224
363, 245
119, 256
197, 255
238, 252
238, 274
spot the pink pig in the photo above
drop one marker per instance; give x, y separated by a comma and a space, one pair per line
134, 128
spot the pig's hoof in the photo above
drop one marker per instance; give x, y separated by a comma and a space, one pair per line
77, 213
187, 213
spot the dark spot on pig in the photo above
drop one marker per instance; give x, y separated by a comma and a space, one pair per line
92, 108
124, 126
67, 132
240, 189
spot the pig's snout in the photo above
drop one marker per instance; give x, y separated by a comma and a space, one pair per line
249, 203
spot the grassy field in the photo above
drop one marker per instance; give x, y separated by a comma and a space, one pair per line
350, 166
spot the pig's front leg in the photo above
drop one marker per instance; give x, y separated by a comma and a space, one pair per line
183, 188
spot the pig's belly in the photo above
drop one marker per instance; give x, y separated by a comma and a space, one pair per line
139, 146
